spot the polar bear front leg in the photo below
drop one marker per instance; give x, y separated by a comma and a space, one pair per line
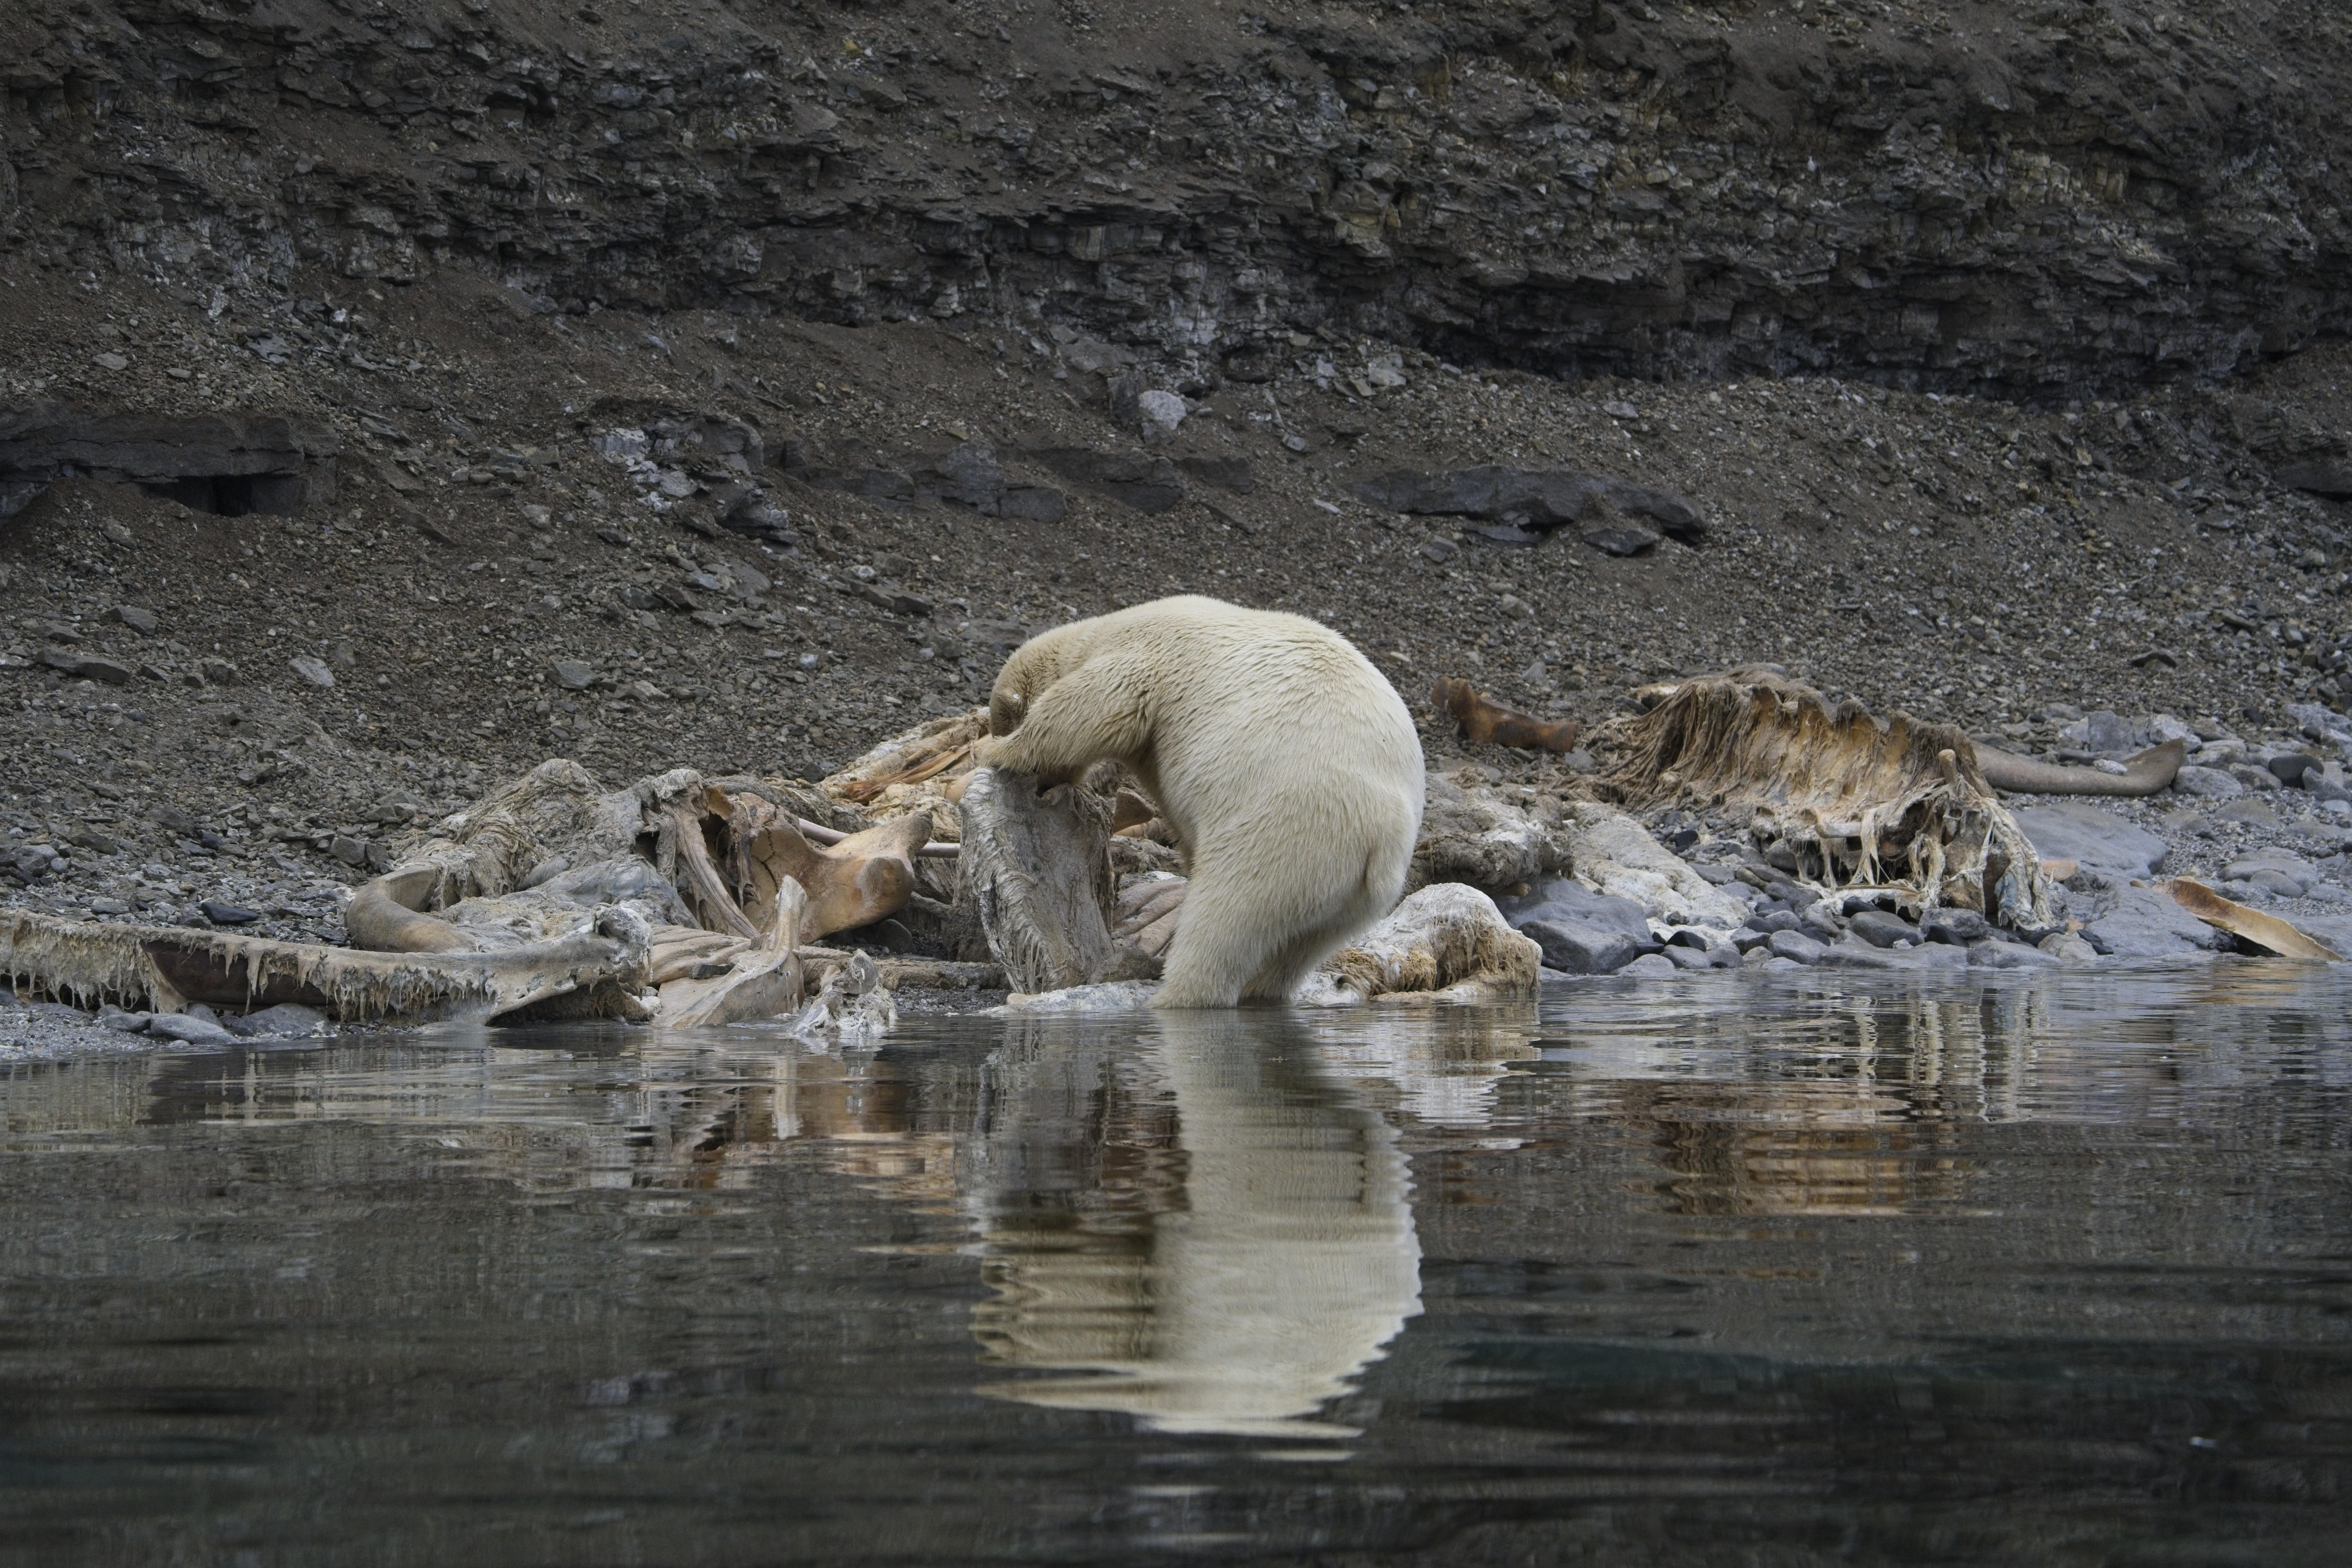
1101, 710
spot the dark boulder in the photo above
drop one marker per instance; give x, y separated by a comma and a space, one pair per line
2323, 478
229, 464
1529, 498
1573, 947
1147, 484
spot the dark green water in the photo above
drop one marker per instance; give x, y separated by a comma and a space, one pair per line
1734, 1270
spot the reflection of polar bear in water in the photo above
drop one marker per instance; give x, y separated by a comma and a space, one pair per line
1290, 1262
1286, 763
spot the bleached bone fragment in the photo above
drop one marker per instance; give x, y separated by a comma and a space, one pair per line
164, 968
682, 953
1037, 869
764, 981
2266, 932
1448, 941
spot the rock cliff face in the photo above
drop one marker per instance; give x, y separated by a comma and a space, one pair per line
2029, 200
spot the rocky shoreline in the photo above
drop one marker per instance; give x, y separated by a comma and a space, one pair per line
2266, 822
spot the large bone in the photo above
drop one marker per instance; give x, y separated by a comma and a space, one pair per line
1037, 867
2266, 932
2152, 769
164, 968
384, 915
1483, 720
854, 882
765, 981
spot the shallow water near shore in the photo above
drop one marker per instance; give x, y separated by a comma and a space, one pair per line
1795, 1268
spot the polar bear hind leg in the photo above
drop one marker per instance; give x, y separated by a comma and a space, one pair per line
1221, 943
1373, 894
1239, 939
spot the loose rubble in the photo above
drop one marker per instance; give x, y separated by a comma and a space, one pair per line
361, 445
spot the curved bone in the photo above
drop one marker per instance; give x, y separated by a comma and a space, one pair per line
1482, 718
382, 916
704, 884
855, 881
2266, 932
818, 832
2146, 774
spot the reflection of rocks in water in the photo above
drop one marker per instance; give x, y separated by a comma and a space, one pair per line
1239, 1291
663, 1116
1862, 1108
1750, 1150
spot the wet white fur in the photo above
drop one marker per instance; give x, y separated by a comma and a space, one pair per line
1286, 763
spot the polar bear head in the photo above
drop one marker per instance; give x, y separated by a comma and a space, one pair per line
1033, 666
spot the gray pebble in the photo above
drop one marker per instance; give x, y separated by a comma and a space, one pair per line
2067, 948
189, 1029
2254, 777
1797, 947
2289, 767
1994, 954
284, 1019
1957, 927
1579, 947
1880, 929
2209, 782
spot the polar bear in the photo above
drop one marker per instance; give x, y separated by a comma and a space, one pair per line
1286, 763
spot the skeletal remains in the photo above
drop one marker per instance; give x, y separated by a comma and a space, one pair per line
685, 900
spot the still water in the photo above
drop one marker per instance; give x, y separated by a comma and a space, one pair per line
1756, 1269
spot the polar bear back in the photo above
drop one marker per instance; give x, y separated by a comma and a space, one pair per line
1251, 708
